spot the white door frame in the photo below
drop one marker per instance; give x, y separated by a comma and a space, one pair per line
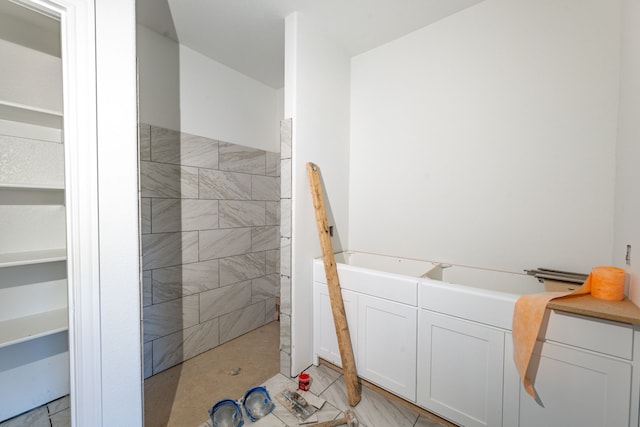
100, 131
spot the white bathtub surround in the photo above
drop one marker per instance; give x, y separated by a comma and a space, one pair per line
210, 247
441, 338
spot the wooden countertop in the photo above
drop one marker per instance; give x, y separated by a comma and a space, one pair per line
619, 311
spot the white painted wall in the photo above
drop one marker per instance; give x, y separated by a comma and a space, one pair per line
488, 138
182, 89
120, 300
35, 77
317, 98
627, 230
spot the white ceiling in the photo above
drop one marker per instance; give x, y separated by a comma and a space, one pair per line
248, 35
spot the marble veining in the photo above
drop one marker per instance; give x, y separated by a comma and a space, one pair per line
242, 267
224, 300
242, 213
209, 214
272, 164
165, 180
222, 243
145, 141
272, 261
186, 279
238, 158
145, 215
272, 214
241, 321
286, 127
373, 409
169, 146
265, 287
169, 317
183, 215
265, 187
265, 238
185, 344
215, 184
286, 179
147, 297
167, 249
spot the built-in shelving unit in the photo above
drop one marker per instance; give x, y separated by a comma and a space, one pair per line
34, 357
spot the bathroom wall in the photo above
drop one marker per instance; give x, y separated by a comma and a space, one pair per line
627, 227
181, 89
489, 138
210, 242
317, 99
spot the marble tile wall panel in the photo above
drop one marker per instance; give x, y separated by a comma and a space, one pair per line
242, 267
285, 256
145, 215
183, 215
272, 164
285, 245
285, 175
285, 217
272, 216
210, 212
215, 184
30, 162
173, 349
186, 279
148, 358
270, 310
265, 287
286, 128
167, 249
165, 180
226, 299
285, 294
147, 295
169, 317
144, 134
265, 187
223, 243
169, 146
238, 158
265, 238
272, 261
241, 321
242, 213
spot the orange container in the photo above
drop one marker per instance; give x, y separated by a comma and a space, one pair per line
607, 283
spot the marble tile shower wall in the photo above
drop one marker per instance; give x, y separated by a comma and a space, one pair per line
285, 246
210, 215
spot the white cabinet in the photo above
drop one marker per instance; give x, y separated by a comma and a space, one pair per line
325, 341
460, 368
387, 344
576, 385
382, 335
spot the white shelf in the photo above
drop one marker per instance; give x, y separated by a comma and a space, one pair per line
27, 114
32, 257
27, 328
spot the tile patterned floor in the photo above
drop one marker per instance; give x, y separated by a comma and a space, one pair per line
374, 410
53, 414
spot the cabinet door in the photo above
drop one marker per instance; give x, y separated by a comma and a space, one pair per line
324, 332
460, 367
387, 345
575, 388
